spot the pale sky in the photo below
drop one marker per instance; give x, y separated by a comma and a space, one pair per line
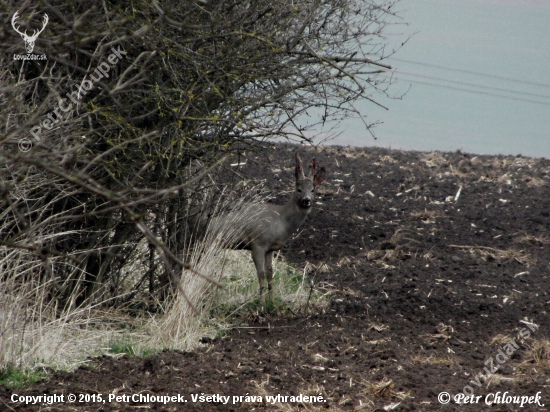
479, 72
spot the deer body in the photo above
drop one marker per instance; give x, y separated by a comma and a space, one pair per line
272, 226
265, 228
268, 232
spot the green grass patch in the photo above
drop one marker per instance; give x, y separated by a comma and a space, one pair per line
18, 378
127, 347
239, 296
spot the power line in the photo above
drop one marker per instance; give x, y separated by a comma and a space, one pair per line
472, 72
473, 85
478, 92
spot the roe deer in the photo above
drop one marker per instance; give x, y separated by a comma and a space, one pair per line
264, 228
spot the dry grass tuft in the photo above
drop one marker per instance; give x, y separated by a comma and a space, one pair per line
532, 240
383, 389
265, 390
537, 358
35, 332
434, 360
377, 327
387, 159
496, 379
535, 182
427, 216
500, 340
434, 159
490, 254
444, 333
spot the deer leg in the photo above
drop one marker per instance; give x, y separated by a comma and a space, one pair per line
258, 256
269, 273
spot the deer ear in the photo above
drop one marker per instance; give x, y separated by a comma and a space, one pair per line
299, 171
319, 177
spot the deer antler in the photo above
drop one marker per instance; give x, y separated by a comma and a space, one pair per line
313, 167
13, 19
35, 33
299, 171
44, 23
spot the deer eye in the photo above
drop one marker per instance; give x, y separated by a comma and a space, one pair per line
299, 190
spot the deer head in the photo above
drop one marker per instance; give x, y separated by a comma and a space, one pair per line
29, 40
305, 185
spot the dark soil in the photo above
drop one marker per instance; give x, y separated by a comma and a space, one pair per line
428, 290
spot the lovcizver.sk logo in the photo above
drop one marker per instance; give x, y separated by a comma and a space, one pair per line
29, 40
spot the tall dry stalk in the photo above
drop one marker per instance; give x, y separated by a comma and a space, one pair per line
206, 250
34, 331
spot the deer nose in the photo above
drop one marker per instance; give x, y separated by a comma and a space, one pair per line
306, 202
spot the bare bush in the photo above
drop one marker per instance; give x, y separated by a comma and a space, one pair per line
129, 96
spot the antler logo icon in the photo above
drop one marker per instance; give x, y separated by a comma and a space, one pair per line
29, 40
